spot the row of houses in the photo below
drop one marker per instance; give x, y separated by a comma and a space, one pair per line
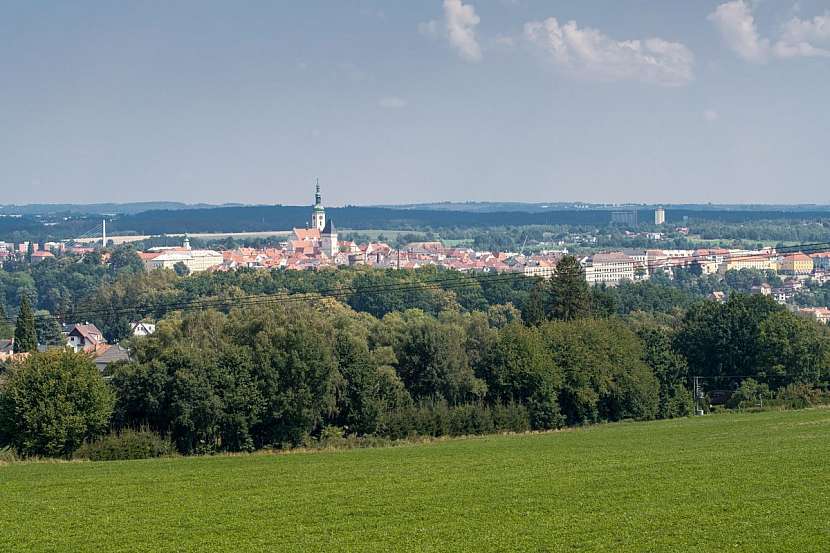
310, 249
613, 267
86, 338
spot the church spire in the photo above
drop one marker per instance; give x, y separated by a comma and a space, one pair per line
318, 212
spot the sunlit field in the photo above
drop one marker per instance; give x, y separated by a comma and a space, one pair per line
737, 482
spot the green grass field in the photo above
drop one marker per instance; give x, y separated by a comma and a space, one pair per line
739, 482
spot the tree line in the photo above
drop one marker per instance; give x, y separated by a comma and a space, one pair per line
278, 374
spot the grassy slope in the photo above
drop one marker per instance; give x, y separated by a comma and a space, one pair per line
731, 482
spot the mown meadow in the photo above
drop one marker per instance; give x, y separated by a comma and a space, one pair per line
732, 482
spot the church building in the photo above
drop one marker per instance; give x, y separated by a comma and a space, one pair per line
328, 240
320, 236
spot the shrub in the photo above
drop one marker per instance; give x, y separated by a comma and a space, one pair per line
126, 444
679, 403
511, 417
747, 394
799, 396
335, 437
8, 455
438, 419
543, 411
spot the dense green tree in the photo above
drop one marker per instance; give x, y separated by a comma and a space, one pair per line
390, 391
63, 282
499, 316
604, 376
671, 371
125, 258
296, 369
723, 339
359, 407
432, 360
533, 312
129, 298
519, 368
570, 296
93, 259
603, 301
650, 296
793, 350
181, 269
194, 406
382, 292
51, 402
48, 329
188, 382
25, 333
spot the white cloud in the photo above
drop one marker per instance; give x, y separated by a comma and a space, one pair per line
459, 27
392, 102
589, 52
800, 37
797, 38
711, 115
737, 26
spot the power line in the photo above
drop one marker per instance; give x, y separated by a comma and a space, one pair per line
456, 282
248, 300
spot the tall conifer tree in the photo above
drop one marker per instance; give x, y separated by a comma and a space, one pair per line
25, 334
571, 296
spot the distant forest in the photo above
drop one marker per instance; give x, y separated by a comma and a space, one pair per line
265, 218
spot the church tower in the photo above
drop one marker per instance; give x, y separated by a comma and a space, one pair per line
328, 240
318, 212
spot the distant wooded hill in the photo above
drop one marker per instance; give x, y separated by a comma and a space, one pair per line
266, 218
101, 209
263, 218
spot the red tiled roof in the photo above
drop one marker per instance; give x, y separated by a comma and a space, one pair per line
797, 257
307, 233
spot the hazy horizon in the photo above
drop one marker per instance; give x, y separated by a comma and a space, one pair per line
417, 203
400, 102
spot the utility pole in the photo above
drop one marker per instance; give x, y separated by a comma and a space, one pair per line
698, 395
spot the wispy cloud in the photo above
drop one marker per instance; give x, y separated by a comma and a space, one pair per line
505, 41
798, 37
711, 115
805, 37
392, 102
459, 28
590, 53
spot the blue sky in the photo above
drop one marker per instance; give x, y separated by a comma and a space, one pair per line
408, 101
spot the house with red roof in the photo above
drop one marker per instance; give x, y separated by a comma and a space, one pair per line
85, 337
41, 255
